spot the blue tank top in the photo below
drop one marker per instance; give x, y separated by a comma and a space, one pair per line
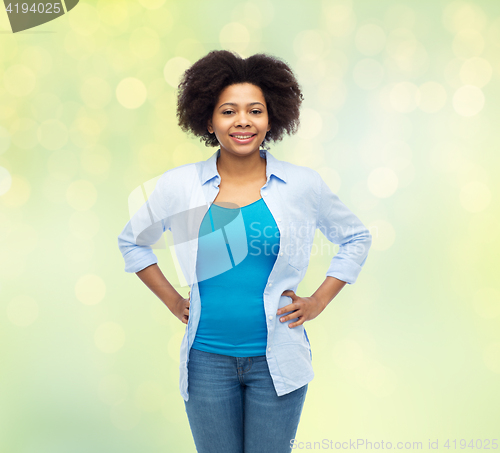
233, 266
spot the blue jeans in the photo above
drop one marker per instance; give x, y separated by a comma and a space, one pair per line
233, 406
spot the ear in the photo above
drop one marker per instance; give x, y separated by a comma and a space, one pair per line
209, 127
268, 127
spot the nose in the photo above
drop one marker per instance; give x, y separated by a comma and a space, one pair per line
242, 120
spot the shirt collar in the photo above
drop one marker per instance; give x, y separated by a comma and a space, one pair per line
273, 167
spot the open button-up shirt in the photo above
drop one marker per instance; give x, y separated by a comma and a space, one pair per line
300, 202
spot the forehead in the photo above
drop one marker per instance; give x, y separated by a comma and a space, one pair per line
242, 92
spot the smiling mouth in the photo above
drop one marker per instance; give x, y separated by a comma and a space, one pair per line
242, 137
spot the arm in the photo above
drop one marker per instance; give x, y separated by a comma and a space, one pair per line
342, 227
154, 279
307, 308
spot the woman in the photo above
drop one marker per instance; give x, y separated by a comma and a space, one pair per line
243, 224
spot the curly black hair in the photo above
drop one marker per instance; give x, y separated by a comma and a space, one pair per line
202, 83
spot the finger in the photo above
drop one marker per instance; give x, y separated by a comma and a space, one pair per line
297, 323
290, 307
289, 293
293, 315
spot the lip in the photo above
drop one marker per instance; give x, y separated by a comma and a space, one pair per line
245, 140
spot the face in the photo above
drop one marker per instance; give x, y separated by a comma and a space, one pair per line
240, 120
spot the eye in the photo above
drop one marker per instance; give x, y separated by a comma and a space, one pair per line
256, 111
226, 112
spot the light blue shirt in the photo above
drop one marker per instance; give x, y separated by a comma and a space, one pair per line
300, 202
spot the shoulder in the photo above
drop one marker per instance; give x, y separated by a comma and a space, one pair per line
303, 176
181, 176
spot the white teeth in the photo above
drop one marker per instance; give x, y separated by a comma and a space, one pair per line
242, 137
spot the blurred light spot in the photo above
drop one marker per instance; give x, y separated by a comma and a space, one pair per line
38, 59
475, 196
19, 80
54, 190
6, 224
347, 354
370, 39
174, 346
81, 195
160, 20
432, 97
330, 127
5, 180
452, 73
332, 93
86, 21
468, 100
494, 32
339, 18
405, 97
46, 106
90, 289
310, 71
144, 42
19, 192
309, 45
383, 234
125, 415
113, 389
96, 160
95, 92
486, 302
476, 71
63, 165
235, 37
149, 396
467, 127
78, 251
84, 224
131, 93
462, 15
310, 124
308, 153
491, 357
114, 17
22, 310
406, 54
191, 49
380, 380
399, 15
9, 44
331, 178
152, 4
85, 130
52, 134
153, 155
109, 337
256, 14
368, 74
186, 152
468, 44
174, 69
4, 139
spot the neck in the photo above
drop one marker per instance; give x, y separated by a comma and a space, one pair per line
241, 167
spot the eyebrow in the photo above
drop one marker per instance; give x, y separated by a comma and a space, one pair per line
232, 103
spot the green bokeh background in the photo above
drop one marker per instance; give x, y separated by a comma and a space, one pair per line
400, 112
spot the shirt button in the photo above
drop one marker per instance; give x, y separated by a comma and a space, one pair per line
281, 253
269, 349
279, 220
270, 284
270, 317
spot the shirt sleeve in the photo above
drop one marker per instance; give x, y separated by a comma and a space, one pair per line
144, 229
342, 227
